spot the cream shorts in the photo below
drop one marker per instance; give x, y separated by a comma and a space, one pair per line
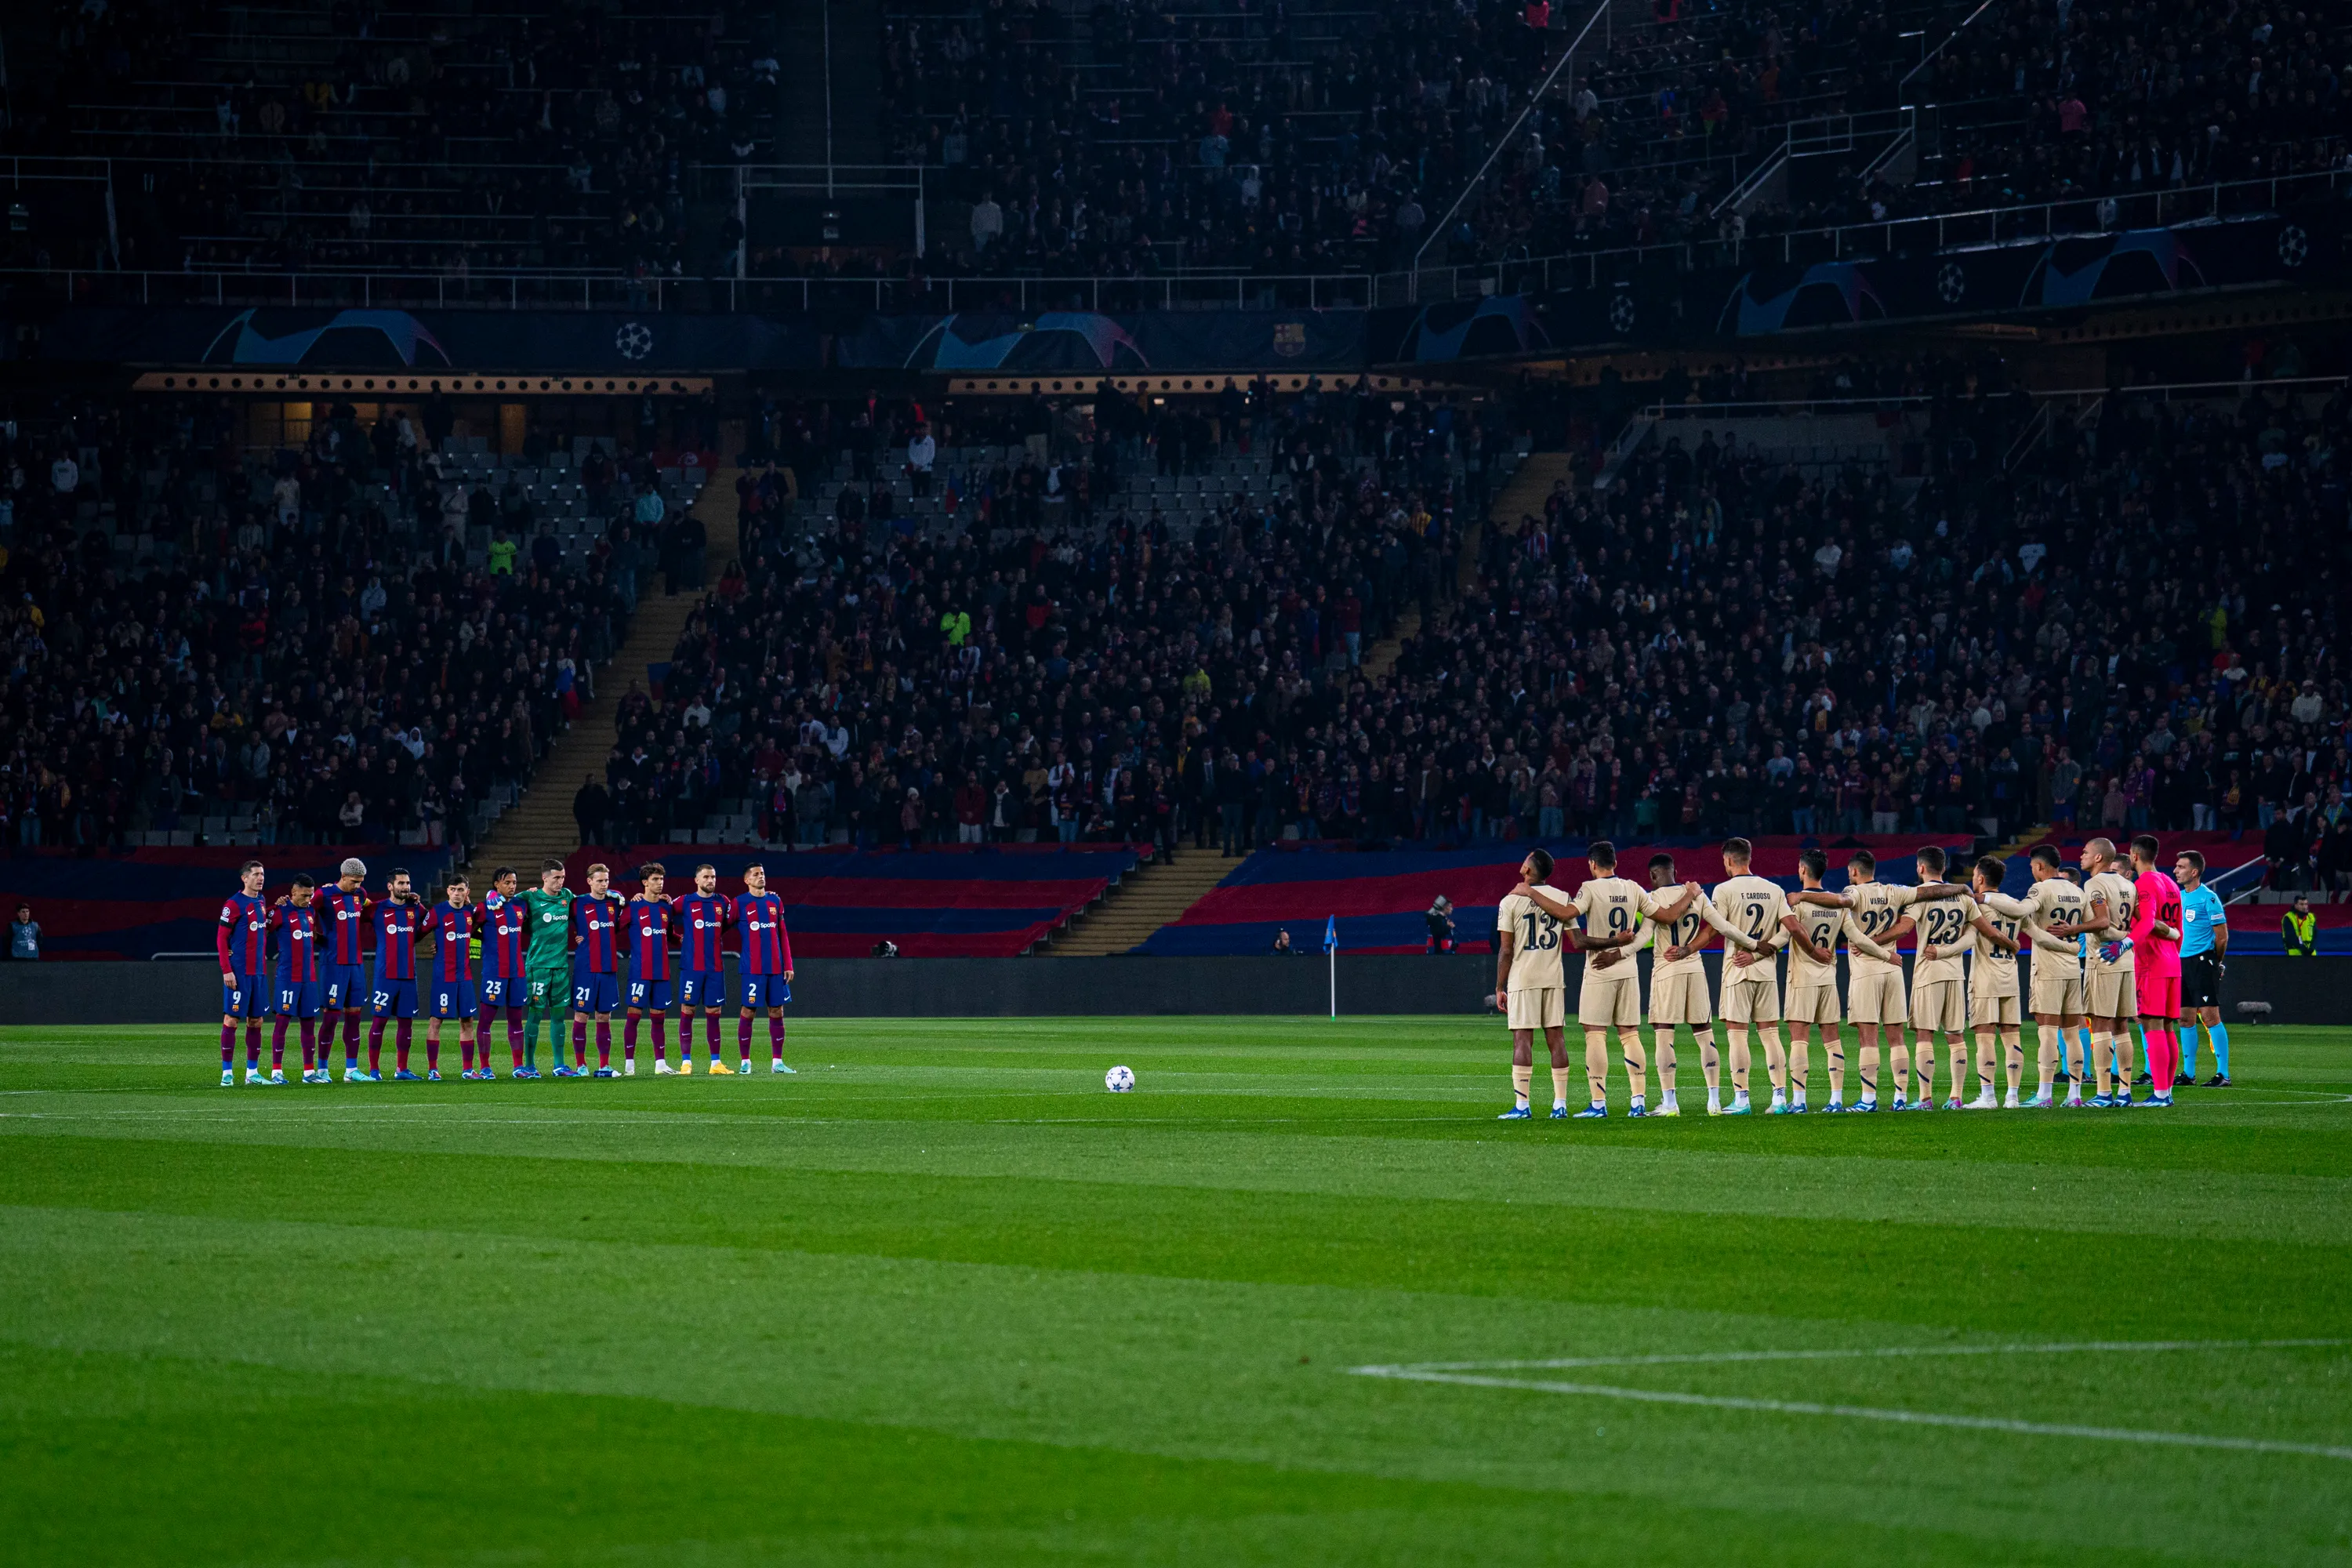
1994, 1011
2114, 994
1605, 1002
1813, 1004
1939, 1005
1539, 1009
1756, 1001
1875, 997
1679, 996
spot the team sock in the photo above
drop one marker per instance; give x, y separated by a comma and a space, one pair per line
2159, 1060
228, 1047
775, 1037
466, 1047
1559, 1084
1522, 1081
401, 1034
253, 1044
514, 1034
351, 1038
309, 1036
432, 1051
375, 1046
743, 1040
579, 1042
603, 1042
2220, 1032
710, 1035
629, 1038
277, 1045
661, 1033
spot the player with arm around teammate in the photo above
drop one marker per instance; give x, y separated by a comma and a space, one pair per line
1530, 987
2050, 912
1749, 910
1993, 1004
1874, 999
1943, 915
1814, 919
2204, 956
242, 941
703, 917
1678, 994
2155, 939
767, 967
2110, 970
1609, 910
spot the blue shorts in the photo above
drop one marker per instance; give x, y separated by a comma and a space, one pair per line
297, 998
649, 996
494, 992
595, 993
244, 996
765, 991
453, 999
394, 998
345, 986
704, 988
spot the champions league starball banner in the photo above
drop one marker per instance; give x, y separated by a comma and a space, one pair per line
535, 341
1654, 308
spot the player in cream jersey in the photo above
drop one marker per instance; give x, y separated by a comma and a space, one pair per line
1530, 987
1609, 911
2110, 977
1994, 1008
1678, 994
1813, 925
1939, 981
1752, 909
2051, 911
1874, 1000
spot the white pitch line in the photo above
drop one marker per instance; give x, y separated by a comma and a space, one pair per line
1432, 1373
1888, 1352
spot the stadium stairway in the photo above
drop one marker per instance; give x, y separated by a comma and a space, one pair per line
1147, 899
540, 825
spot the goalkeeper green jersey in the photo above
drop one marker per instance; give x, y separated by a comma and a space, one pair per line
549, 916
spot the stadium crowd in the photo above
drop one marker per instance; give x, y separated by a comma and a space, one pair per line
2135, 628
343, 644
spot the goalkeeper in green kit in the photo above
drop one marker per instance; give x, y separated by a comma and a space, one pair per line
547, 965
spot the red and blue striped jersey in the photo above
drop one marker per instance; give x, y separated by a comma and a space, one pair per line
506, 932
649, 923
452, 927
343, 918
702, 920
766, 949
244, 942
596, 929
298, 945
396, 940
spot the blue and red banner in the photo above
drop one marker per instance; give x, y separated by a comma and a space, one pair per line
138, 903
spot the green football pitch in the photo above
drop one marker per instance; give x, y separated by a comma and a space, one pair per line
1299, 1299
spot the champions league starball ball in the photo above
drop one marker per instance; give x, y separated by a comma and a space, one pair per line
1119, 1081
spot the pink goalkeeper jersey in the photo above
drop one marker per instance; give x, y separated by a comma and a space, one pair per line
2158, 900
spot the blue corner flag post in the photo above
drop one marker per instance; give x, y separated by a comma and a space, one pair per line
1331, 955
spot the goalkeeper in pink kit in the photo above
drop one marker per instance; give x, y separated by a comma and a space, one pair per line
2155, 950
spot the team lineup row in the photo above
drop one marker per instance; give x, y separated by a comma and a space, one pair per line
2115, 950
536, 956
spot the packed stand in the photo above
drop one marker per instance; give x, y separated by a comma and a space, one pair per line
373, 636
2135, 627
1022, 671
438, 141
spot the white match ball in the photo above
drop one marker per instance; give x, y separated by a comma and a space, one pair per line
1119, 1081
